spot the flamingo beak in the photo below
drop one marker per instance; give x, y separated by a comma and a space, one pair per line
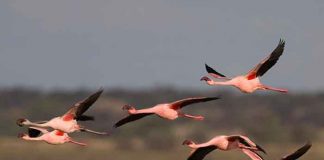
127, 107
20, 122
186, 142
21, 135
204, 79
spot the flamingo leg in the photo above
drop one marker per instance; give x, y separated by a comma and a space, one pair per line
275, 89
94, 132
198, 118
78, 143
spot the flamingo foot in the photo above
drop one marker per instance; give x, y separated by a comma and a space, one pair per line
199, 118
78, 143
276, 89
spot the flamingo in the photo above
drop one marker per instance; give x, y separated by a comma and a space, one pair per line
54, 137
225, 143
68, 122
170, 111
231, 142
250, 82
301, 151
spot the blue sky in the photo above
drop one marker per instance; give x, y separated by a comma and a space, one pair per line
145, 43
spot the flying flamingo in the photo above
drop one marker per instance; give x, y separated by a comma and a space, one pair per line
68, 122
224, 143
54, 137
250, 82
231, 142
168, 111
301, 151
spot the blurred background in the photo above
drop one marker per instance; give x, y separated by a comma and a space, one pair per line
55, 53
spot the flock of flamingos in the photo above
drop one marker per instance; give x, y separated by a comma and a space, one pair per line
248, 83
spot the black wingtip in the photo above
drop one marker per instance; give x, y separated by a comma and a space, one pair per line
93, 97
300, 152
282, 42
213, 98
261, 149
85, 118
212, 71
307, 145
209, 69
115, 126
100, 90
258, 155
96, 95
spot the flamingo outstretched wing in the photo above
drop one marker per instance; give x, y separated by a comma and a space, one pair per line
201, 152
261, 68
301, 151
77, 110
246, 141
130, 118
214, 73
185, 102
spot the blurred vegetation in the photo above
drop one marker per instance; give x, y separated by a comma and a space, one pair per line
280, 122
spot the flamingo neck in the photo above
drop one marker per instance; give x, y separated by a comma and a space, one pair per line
224, 83
28, 123
193, 145
33, 138
146, 110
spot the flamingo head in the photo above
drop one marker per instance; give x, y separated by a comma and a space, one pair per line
21, 135
205, 79
187, 142
21, 121
129, 108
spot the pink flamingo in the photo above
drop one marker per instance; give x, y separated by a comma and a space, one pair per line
224, 143
250, 82
54, 137
170, 111
68, 122
201, 150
